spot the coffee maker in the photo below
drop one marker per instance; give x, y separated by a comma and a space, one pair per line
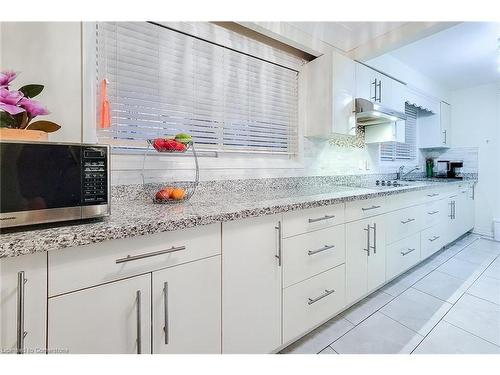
450, 169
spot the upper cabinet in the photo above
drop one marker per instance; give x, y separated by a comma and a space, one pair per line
435, 130
379, 88
331, 90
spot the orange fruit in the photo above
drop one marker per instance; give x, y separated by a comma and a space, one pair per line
178, 194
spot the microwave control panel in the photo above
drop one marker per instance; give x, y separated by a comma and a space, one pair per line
95, 175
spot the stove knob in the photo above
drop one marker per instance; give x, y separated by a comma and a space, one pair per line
389, 183
377, 182
383, 183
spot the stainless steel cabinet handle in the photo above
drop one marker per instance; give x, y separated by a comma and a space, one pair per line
403, 253
279, 229
21, 333
374, 247
327, 293
326, 217
433, 212
454, 209
139, 333
444, 132
374, 83
451, 210
165, 312
454, 196
326, 247
434, 238
130, 258
433, 195
368, 247
407, 221
369, 208
380, 91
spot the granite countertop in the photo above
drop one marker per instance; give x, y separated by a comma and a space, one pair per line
135, 216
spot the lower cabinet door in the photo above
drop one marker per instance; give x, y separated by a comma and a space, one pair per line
312, 301
376, 258
432, 239
111, 318
365, 256
403, 255
251, 285
187, 308
23, 303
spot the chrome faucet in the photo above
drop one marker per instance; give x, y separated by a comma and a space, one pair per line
400, 175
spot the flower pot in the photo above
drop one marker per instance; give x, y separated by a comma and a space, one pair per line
23, 134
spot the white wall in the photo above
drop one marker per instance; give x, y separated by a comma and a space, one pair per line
48, 53
475, 118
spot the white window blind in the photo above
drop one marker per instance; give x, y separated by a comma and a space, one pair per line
162, 82
392, 151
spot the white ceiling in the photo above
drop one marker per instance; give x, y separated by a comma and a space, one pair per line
346, 35
461, 56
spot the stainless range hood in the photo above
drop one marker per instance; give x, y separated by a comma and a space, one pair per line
370, 113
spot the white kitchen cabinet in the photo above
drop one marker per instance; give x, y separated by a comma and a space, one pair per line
365, 256
388, 132
187, 308
379, 88
23, 303
331, 89
251, 285
111, 318
464, 210
435, 130
402, 255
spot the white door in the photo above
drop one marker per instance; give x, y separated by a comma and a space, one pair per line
376, 258
251, 285
111, 318
365, 257
187, 308
23, 303
365, 83
445, 112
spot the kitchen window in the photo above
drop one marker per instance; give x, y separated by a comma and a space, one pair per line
161, 82
394, 151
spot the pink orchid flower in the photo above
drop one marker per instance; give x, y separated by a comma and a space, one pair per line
7, 77
9, 101
33, 107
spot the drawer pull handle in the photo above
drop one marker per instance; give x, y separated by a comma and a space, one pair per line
407, 221
370, 208
326, 217
434, 238
433, 195
130, 258
454, 196
403, 253
327, 293
433, 212
326, 247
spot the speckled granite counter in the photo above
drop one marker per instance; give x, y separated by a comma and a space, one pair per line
132, 214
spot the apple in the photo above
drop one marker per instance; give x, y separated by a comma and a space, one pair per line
162, 195
159, 144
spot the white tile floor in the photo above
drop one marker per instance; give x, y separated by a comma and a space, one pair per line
449, 304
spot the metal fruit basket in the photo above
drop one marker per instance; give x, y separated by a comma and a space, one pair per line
189, 187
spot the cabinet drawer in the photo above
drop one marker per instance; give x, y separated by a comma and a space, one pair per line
304, 221
432, 239
434, 212
85, 266
312, 253
403, 200
312, 302
403, 223
402, 255
365, 208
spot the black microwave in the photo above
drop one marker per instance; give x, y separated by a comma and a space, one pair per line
43, 182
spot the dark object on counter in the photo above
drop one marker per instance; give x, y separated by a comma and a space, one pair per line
42, 182
429, 168
450, 169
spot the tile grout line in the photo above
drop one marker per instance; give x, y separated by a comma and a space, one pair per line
394, 297
453, 304
473, 334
